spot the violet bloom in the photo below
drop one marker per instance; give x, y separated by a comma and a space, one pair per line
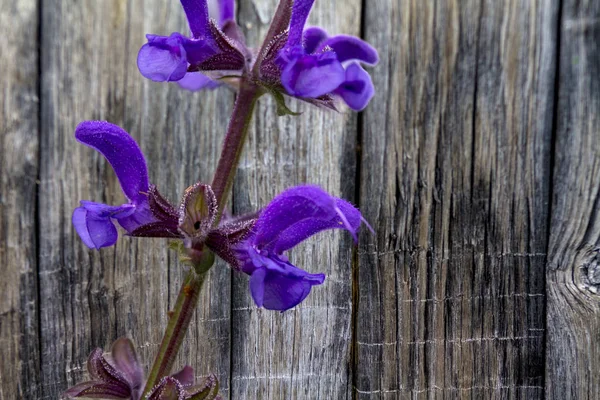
303, 63
180, 58
95, 221
119, 375
314, 65
289, 219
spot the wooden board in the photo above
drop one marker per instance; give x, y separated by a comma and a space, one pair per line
451, 289
19, 141
304, 352
573, 355
89, 298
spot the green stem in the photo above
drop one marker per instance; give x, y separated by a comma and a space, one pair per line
181, 316
179, 321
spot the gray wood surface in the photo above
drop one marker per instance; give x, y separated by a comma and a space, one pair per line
451, 289
89, 298
19, 144
573, 278
477, 163
305, 352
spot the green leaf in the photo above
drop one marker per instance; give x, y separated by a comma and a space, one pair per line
282, 108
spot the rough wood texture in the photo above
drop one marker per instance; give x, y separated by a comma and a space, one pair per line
573, 279
451, 289
19, 346
89, 298
305, 352
478, 164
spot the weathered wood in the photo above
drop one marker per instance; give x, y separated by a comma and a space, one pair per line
302, 353
451, 289
89, 298
19, 139
573, 355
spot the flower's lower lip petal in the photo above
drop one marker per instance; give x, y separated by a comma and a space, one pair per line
283, 292
358, 88
95, 232
257, 286
194, 81
161, 64
80, 224
312, 75
142, 216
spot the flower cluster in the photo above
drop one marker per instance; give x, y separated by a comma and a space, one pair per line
253, 244
301, 62
119, 375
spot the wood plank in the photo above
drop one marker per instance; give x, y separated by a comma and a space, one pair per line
302, 353
19, 139
455, 179
89, 298
573, 357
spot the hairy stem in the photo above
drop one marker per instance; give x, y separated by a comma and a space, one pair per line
179, 321
234, 140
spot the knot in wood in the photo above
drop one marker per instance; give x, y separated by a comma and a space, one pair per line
590, 272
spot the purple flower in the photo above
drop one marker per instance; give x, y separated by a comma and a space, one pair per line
313, 65
289, 219
94, 221
304, 63
119, 375
183, 59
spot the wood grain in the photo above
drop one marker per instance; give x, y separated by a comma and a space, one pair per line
573, 355
19, 140
89, 298
451, 289
303, 353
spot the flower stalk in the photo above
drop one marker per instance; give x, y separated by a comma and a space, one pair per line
179, 321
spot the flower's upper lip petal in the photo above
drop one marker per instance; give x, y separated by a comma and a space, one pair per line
313, 37
351, 48
298, 213
123, 154
226, 11
196, 12
300, 11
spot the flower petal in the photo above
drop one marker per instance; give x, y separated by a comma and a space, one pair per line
142, 216
196, 12
194, 81
300, 11
351, 48
274, 290
123, 154
126, 361
312, 75
298, 213
95, 232
357, 90
227, 11
163, 58
313, 37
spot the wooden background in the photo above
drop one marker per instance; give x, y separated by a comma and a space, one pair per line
477, 162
